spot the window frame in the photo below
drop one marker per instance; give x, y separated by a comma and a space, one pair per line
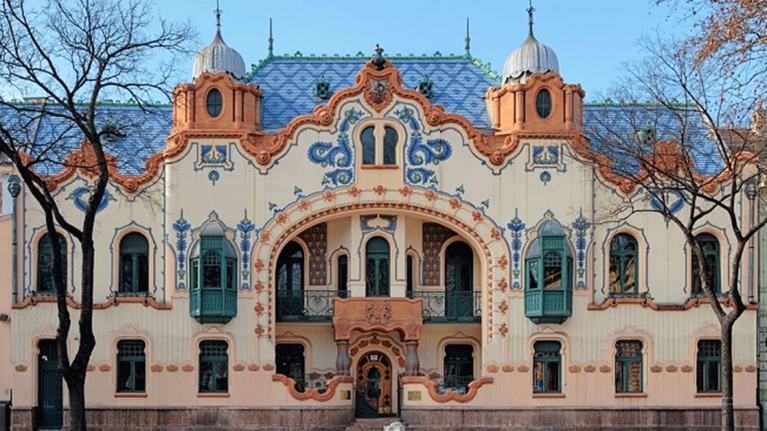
212, 360
696, 290
544, 106
541, 351
45, 272
218, 105
133, 361
227, 265
461, 379
298, 379
622, 255
376, 257
386, 139
703, 370
623, 362
548, 246
135, 253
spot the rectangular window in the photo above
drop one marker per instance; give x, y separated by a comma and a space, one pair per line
628, 366
290, 363
214, 366
709, 370
131, 366
458, 367
547, 367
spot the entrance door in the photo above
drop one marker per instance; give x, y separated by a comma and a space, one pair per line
49, 387
373, 387
459, 295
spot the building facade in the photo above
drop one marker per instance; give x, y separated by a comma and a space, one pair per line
324, 239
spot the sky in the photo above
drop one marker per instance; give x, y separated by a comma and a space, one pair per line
592, 38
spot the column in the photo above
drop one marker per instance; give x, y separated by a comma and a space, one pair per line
343, 362
412, 363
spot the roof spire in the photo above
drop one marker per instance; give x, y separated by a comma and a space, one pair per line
468, 39
530, 11
271, 40
218, 17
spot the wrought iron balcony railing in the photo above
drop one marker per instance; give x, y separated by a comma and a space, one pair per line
454, 383
307, 305
316, 381
450, 307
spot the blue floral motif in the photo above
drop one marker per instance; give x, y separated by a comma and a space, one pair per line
419, 154
460, 191
81, 204
545, 155
214, 176
516, 226
213, 154
545, 177
673, 207
181, 226
337, 156
246, 228
580, 225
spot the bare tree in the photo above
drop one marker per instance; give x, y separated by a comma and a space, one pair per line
675, 143
74, 54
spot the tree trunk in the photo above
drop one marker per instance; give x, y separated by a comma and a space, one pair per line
728, 411
76, 390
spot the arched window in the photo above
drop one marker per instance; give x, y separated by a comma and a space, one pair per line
710, 246
709, 364
214, 366
459, 285
628, 366
624, 265
549, 276
343, 276
134, 264
458, 366
213, 277
390, 146
377, 267
547, 367
368, 146
409, 276
45, 284
290, 282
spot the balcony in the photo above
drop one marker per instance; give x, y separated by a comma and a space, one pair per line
450, 307
213, 305
307, 305
548, 305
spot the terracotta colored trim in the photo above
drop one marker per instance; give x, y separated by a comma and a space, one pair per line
540, 395
649, 303
379, 166
130, 395
631, 395
708, 395
114, 301
213, 395
451, 395
312, 394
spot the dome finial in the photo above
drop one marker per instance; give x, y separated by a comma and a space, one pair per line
468, 40
530, 11
218, 12
271, 39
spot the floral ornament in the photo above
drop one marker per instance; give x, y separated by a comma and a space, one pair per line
181, 226
339, 156
322, 90
545, 177
420, 155
580, 225
516, 226
214, 176
77, 197
245, 227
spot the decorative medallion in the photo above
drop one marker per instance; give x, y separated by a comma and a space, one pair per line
80, 196
321, 89
426, 87
378, 312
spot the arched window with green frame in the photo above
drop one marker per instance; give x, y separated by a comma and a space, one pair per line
624, 265
710, 246
45, 284
213, 277
549, 276
134, 264
377, 267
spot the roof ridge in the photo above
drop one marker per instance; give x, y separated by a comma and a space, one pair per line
484, 67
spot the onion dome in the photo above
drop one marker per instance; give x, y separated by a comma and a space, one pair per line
218, 57
529, 58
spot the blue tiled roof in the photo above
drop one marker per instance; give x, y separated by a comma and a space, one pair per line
613, 128
459, 84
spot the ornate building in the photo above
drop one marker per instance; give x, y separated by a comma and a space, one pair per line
350, 237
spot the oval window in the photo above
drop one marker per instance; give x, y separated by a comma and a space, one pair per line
213, 103
543, 103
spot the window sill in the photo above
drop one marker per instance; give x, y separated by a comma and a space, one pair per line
631, 395
547, 395
708, 395
379, 166
130, 394
213, 395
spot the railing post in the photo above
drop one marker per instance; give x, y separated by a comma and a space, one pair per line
412, 363
343, 361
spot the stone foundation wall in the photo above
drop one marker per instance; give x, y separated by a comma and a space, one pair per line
203, 419
550, 419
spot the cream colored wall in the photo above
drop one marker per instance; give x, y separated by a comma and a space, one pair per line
5, 304
173, 335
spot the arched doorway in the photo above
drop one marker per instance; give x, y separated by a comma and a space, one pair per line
459, 284
49, 387
373, 386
